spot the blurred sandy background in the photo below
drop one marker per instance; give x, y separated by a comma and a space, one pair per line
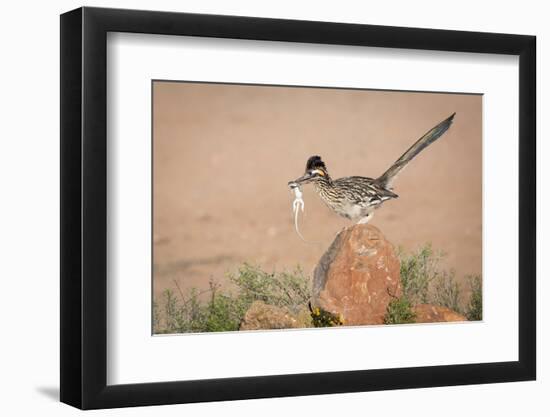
223, 155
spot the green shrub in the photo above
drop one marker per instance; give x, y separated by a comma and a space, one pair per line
418, 270
282, 289
424, 282
180, 316
216, 310
156, 316
447, 292
223, 314
474, 310
399, 311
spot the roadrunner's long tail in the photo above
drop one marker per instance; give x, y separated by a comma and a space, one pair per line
386, 179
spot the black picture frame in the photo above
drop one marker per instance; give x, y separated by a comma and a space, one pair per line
84, 207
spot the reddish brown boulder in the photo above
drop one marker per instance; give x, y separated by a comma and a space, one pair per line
426, 313
357, 276
264, 316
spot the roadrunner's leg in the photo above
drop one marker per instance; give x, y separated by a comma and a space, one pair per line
366, 219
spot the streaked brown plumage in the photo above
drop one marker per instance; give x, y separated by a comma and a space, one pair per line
356, 198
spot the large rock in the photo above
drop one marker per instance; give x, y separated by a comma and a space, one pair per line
357, 276
264, 316
427, 313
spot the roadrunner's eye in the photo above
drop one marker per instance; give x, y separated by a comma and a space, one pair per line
318, 172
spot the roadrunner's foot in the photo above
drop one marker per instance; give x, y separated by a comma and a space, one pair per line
366, 219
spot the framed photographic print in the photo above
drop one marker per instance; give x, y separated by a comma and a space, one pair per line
258, 207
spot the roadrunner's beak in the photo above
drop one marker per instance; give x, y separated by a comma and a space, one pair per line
308, 176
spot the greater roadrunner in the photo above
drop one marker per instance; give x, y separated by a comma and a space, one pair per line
356, 198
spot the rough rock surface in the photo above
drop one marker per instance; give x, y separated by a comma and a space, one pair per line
357, 276
264, 316
426, 313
